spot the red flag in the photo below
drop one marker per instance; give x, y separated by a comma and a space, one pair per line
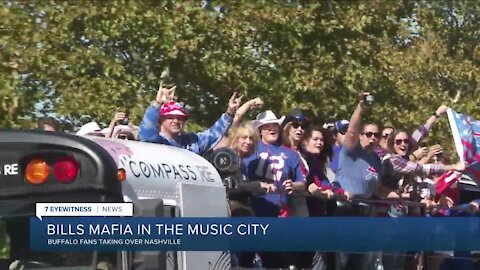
444, 185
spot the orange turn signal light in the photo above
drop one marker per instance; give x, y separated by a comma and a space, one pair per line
122, 174
37, 171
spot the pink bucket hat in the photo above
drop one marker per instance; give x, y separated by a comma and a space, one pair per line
172, 109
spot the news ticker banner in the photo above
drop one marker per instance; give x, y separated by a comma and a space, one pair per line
253, 234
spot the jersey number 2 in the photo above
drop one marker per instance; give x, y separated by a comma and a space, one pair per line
274, 168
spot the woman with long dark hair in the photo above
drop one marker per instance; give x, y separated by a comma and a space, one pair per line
316, 149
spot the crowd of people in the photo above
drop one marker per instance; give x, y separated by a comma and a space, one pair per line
346, 159
119, 128
333, 169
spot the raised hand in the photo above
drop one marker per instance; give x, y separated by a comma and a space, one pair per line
165, 95
234, 103
420, 153
255, 103
119, 116
435, 150
362, 97
442, 109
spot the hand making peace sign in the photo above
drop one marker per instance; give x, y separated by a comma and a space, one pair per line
234, 103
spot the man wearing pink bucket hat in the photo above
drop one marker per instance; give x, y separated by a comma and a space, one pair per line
164, 120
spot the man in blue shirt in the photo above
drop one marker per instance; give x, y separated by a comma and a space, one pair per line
276, 164
280, 166
359, 172
164, 120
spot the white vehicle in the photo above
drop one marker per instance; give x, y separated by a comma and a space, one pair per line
160, 180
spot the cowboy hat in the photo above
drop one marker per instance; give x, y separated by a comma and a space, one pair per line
267, 117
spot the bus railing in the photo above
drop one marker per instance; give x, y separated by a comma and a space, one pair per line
344, 199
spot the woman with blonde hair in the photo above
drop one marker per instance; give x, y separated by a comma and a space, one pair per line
243, 140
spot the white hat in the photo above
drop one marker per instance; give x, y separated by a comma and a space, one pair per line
89, 128
121, 129
267, 117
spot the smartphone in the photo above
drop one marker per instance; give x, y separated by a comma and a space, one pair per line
368, 100
125, 121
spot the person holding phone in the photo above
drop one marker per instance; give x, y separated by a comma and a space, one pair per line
359, 172
118, 118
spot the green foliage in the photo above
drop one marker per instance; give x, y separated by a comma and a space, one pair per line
90, 58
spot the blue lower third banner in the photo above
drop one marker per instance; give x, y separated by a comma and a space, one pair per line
254, 234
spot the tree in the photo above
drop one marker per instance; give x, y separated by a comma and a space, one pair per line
90, 59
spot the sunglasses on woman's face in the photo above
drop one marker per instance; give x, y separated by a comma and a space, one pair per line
296, 125
370, 134
399, 141
385, 136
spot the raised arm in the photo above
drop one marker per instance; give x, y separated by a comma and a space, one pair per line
419, 134
249, 105
119, 116
149, 128
214, 134
401, 165
352, 136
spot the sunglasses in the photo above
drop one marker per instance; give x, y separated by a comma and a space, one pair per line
370, 134
399, 141
296, 125
385, 136
172, 117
